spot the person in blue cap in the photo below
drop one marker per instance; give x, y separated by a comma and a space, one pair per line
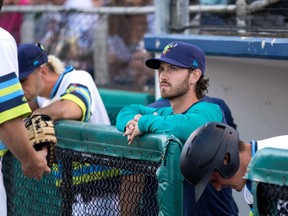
63, 93
52, 89
181, 75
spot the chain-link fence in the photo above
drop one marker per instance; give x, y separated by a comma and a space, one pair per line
96, 173
272, 199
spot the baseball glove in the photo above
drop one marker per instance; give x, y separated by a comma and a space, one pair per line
41, 132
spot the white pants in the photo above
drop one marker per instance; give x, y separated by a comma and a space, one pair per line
3, 199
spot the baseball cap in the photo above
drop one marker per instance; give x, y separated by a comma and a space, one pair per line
30, 57
180, 54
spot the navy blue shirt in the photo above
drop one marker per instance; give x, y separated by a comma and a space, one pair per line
212, 202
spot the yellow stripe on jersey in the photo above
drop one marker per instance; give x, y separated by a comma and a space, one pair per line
84, 91
78, 101
82, 173
2, 152
86, 178
22, 110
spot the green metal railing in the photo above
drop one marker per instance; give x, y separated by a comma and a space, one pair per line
92, 162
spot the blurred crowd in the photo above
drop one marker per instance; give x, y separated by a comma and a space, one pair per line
70, 34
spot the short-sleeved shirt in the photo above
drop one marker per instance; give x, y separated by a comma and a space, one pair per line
12, 101
78, 86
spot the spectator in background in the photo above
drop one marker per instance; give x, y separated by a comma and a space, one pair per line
62, 93
137, 75
124, 40
143, 77
13, 108
70, 34
12, 21
50, 28
80, 33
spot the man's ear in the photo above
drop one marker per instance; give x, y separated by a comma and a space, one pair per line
44, 70
195, 76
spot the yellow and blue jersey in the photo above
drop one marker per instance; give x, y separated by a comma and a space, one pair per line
12, 101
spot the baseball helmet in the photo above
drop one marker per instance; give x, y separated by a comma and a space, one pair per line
205, 150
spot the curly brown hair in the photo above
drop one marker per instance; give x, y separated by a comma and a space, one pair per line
202, 87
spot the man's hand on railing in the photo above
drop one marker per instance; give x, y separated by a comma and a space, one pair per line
132, 129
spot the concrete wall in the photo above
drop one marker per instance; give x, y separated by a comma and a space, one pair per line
256, 91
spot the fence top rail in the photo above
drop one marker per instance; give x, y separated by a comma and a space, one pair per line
100, 10
115, 10
231, 8
107, 140
269, 165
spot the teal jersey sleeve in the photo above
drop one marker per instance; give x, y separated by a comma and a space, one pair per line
163, 120
128, 112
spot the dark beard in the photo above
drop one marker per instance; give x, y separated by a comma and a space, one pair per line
177, 91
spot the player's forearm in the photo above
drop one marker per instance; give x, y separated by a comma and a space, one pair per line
64, 109
18, 143
128, 113
180, 125
33, 105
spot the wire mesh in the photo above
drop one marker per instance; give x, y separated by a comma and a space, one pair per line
272, 199
85, 184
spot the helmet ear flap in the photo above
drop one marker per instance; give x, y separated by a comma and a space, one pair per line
228, 168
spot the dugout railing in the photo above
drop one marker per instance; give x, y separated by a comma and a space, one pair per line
97, 173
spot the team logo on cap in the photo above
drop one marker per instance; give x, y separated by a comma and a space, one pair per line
195, 63
168, 48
